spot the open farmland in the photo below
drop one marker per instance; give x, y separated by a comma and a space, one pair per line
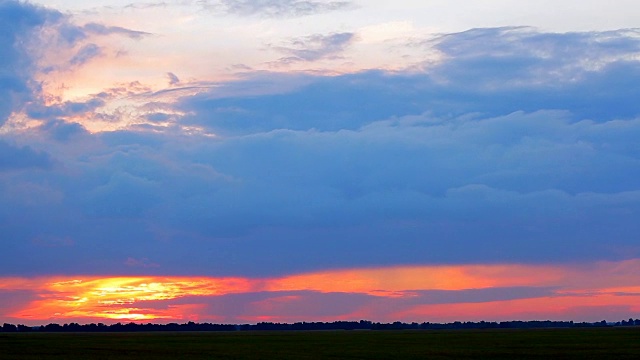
608, 343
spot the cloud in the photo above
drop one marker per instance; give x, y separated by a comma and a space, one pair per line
20, 21
522, 187
355, 101
276, 8
502, 292
547, 69
85, 54
39, 41
63, 131
100, 29
315, 47
488, 72
173, 79
16, 157
279, 173
64, 45
68, 109
13, 300
73, 34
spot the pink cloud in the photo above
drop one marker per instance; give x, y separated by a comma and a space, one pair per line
421, 293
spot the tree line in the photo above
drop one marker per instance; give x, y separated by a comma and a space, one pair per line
336, 325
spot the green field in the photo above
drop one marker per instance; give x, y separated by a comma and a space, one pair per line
607, 343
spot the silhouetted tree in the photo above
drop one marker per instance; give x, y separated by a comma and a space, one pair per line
9, 328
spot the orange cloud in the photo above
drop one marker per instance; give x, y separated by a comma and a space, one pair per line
145, 298
116, 297
378, 281
589, 307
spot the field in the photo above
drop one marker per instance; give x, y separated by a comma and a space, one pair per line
607, 343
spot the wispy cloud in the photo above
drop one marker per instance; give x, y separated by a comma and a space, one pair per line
65, 109
100, 29
522, 56
491, 72
173, 79
40, 42
85, 54
275, 8
315, 47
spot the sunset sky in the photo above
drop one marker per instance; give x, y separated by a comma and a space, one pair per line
238, 161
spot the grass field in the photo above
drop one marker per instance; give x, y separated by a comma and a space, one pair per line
607, 343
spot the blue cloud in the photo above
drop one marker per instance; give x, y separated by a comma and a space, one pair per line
18, 21
85, 54
331, 104
63, 131
461, 163
100, 29
39, 111
490, 72
522, 187
20, 157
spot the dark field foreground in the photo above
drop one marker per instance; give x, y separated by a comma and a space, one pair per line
607, 343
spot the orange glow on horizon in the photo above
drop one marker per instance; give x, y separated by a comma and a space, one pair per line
388, 293
542, 308
116, 298
377, 281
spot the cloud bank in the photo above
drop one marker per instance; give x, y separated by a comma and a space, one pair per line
502, 292
515, 146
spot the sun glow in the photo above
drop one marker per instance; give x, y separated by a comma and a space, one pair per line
118, 297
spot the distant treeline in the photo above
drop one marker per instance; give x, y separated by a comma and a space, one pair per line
336, 325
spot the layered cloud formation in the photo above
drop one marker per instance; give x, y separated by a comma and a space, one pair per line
505, 145
19, 22
439, 293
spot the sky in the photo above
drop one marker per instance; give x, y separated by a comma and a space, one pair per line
239, 161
